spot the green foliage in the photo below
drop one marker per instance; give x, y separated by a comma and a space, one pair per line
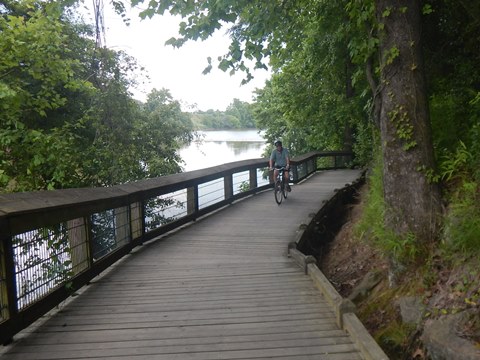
427, 9
238, 115
372, 222
165, 131
362, 42
214, 119
67, 118
402, 250
366, 142
311, 102
35, 144
462, 224
404, 128
44, 254
394, 337
243, 112
244, 186
391, 55
452, 56
35, 61
38, 159
457, 165
463, 220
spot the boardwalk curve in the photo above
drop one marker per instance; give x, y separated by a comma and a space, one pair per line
222, 288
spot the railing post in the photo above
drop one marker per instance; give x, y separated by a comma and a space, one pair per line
88, 227
8, 284
136, 220
228, 186
79, 250
253, 179
122, 226
192, 200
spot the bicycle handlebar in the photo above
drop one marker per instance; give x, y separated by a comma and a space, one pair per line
280, 168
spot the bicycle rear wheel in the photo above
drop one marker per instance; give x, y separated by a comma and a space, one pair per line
278, 192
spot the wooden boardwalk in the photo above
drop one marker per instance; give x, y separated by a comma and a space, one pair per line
222, 288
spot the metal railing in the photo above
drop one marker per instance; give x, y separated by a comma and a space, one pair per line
53, 242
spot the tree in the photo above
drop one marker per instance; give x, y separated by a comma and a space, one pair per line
242, 111
36, 74
315, 106
67, 118
163, 132
412, 199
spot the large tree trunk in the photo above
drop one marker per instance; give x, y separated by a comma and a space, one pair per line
413, 203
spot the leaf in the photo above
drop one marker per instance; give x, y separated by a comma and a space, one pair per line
147, 13
427, 9
6, 91
207, 70
224, 65
470, 302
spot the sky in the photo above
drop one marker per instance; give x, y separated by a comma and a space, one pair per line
179, 70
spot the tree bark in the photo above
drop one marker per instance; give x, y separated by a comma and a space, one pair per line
412, 201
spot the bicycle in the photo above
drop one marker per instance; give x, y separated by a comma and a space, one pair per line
280, 189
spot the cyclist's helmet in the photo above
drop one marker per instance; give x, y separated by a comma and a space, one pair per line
277, 142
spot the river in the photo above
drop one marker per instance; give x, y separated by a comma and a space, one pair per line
222, 146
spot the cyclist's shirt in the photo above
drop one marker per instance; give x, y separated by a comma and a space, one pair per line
279, 157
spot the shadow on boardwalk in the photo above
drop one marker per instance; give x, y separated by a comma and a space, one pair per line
222, 288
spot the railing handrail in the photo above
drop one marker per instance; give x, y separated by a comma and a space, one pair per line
71, 215
76, 202
16, 204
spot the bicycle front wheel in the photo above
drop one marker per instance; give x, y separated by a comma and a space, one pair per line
284, 190
278, 192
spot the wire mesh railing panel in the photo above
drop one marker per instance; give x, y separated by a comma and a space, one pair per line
164, 209
42, 262
262, 177
343, 161
302, 170
326, 162
241, 182
110, 230
211, 192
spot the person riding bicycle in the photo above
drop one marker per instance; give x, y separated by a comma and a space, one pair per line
280, 158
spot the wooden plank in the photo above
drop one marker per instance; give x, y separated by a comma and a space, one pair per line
250, 349
337, 337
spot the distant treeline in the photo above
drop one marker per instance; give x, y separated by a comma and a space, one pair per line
238, 115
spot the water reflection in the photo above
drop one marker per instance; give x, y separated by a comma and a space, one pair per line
240, 147
220, 147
